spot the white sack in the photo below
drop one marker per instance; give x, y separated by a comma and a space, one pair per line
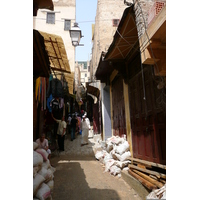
123, 164
158, 193
122, 148
115, 140
51, 184
109, 147
45, 173
37, 181
37, 159
115, 170
43, 153
50, 175
36, 169
125, 156
108, 164
35, 145
116, 156
46, 164
43, 192
107, 157
99, 154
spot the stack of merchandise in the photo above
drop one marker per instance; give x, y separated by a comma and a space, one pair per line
114, 154
43, 182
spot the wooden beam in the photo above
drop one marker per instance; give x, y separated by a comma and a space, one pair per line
112, 76
148, 163
147, 58
155, 182
60, 70
144, 182
159, 175
153, 28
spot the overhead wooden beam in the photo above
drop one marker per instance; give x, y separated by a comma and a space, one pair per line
153, 28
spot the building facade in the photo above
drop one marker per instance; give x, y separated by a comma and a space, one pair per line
133, 70
59, 22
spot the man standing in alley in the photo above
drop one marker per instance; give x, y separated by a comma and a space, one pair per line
74, 124
69, 124
85, 127
61, 132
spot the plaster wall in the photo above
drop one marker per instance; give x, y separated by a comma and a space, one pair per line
104, 30
63, 10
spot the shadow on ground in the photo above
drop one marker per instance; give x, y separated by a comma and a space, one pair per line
70, 183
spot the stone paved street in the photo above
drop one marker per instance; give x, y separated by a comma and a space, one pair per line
80, 176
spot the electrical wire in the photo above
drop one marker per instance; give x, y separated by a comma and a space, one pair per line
149, 42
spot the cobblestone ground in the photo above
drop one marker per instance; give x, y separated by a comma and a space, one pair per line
79, 175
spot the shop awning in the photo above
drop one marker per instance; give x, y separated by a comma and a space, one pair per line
41, 63
126, 42
70, 79
42, 4
104, 69
92, 90
125, 45
56, 51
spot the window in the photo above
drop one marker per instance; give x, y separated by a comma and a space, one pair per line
115, 22
50, 18
85, 75
67, 25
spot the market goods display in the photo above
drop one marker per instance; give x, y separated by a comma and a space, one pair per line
42, 174
114, 155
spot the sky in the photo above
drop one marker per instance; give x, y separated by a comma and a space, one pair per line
85, 17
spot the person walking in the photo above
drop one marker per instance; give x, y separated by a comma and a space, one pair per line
85, 127
79, 123
69, 124
74, 123
61, 132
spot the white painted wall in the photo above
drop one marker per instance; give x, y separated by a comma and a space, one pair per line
62, 11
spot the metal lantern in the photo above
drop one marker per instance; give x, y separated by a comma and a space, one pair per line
75, 34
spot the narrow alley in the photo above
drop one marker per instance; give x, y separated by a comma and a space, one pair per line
101, 74
79, 175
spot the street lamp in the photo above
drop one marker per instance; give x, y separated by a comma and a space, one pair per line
75, 34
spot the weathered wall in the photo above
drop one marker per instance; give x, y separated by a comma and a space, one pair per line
64, 9
104, 30
142, 8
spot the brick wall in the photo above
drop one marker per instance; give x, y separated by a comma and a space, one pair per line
150, 9
142, 15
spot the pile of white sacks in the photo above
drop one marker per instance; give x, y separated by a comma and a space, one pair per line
114, 154
43, 182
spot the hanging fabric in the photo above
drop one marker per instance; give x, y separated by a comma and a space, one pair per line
49, 99
45, 103
42, 94
37, 86
55, 88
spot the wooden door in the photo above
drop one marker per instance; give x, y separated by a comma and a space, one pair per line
148, 118
118, 107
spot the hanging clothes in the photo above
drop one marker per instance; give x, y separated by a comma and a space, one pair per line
45, 100
37, 87
55, 88
42, 94
49, 99
57, 112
